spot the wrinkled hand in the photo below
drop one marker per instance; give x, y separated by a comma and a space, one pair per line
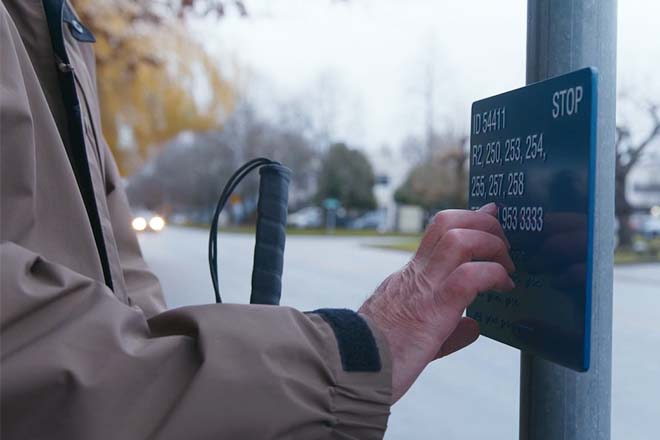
419, 309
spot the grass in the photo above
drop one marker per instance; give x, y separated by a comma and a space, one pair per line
630, 257
310, 232
621, 256
651, 254
409, 242
403, 246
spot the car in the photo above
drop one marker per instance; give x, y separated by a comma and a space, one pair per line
370, 220
146, 221
309, 217
650, 227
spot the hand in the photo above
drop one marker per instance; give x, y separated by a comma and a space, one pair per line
419, 309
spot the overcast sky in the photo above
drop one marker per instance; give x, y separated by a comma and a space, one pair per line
377, 53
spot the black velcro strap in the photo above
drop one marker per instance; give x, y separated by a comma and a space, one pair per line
357, 346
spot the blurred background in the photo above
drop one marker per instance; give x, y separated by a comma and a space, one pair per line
368, 102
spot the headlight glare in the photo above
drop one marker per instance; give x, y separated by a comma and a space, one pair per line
139, 224
157, 223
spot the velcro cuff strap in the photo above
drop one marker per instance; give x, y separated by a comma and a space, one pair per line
357, 347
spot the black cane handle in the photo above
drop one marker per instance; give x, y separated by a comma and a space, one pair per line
271, 234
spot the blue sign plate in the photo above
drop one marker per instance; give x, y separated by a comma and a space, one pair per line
532, 151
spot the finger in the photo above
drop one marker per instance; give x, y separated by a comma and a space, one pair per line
446, 220
463, 284
489, 208
466, 332
459, 246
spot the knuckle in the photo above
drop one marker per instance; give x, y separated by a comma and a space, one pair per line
439, 222
440, 218
464, 273
460, 273
453, 238
455, 292
469, 279
455, 241
494, 274
501, 247
493, 223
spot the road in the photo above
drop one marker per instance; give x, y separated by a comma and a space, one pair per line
472, 394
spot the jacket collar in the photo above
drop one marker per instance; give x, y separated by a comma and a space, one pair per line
58, 13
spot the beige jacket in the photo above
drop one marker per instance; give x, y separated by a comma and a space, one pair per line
88, 350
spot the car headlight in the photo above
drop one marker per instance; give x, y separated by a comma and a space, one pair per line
157, 223
139, 224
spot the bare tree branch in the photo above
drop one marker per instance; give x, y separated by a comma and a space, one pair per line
637, 152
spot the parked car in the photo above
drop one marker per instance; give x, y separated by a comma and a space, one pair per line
147, 221
650, 227
370, 220
309, 217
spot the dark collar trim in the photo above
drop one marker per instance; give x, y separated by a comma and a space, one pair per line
79, 31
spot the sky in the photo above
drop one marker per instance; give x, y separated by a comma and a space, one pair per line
374, 57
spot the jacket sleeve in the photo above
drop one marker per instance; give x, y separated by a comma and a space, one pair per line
78, 364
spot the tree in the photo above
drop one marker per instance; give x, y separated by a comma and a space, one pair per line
253, 136
346, 175
438, 178
153, 80
628, 154
186, 176
189, 172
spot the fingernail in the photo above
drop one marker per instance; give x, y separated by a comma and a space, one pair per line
513, 284
513, 266
490, 208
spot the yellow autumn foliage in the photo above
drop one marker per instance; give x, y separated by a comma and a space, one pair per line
154, 81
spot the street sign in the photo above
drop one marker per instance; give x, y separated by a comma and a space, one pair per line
532, 151
331, 203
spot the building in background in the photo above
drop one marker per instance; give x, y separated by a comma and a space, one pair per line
391, 171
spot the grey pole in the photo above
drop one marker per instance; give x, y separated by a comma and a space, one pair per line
557, 403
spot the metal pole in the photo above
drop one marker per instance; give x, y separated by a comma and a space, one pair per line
557, 403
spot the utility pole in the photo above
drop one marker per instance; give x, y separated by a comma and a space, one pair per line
557, 403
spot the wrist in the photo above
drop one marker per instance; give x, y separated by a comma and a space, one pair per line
404, 349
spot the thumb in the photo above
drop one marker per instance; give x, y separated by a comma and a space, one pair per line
465, 333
